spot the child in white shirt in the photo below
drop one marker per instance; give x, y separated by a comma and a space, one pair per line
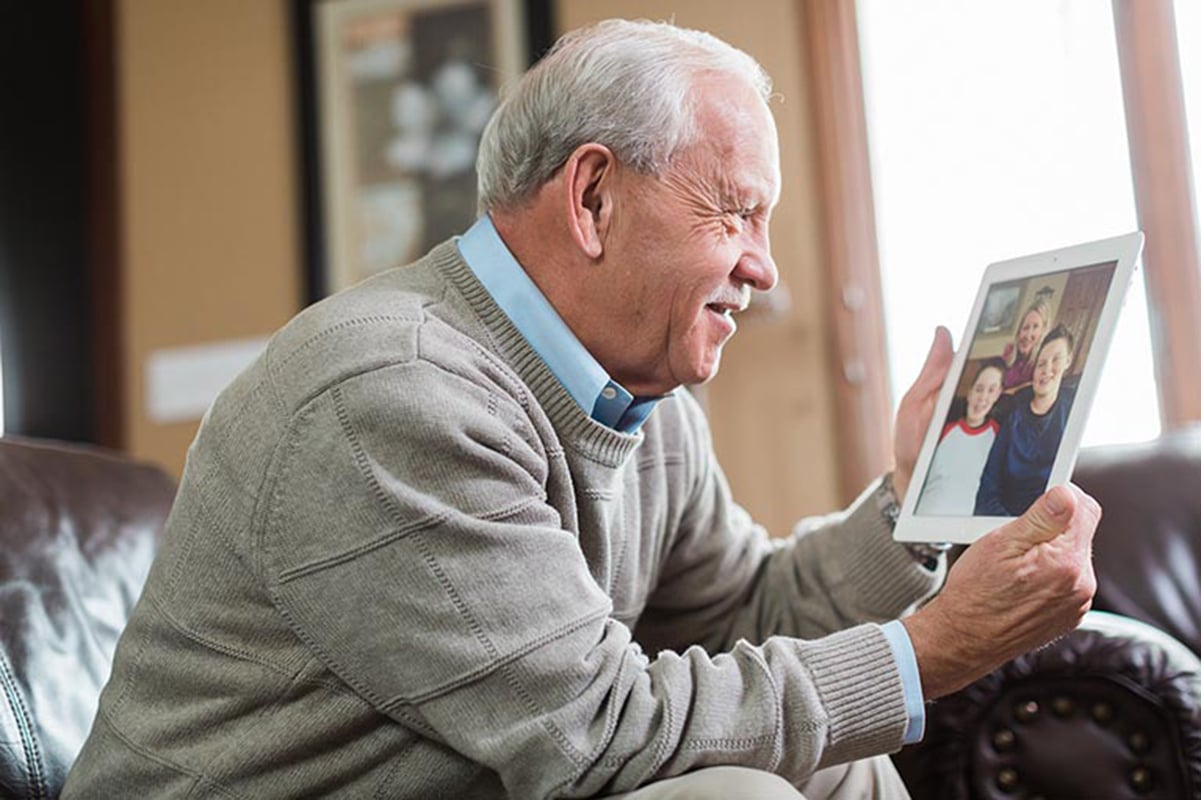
954, 474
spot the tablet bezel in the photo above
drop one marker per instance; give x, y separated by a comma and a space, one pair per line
1124, 250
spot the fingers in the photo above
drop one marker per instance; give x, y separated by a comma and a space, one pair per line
913, 413
917, 407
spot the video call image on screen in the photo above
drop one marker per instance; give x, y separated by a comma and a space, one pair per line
1012, 400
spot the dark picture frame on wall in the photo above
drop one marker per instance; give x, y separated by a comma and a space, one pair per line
393, 96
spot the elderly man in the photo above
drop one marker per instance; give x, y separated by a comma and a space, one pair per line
458, 533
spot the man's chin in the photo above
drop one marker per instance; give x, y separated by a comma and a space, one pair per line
693, 368
702, 374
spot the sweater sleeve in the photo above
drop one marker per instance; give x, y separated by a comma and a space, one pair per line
727, 580
406, 538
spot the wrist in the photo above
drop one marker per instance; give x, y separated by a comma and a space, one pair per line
928, 554
938, 650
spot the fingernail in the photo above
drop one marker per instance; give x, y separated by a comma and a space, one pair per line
1055, 503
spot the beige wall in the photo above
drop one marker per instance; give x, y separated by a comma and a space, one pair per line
207, 162
770, 406
211, 243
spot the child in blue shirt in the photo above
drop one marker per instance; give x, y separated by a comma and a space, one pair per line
1019, 463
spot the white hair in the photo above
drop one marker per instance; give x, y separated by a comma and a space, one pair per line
627, 85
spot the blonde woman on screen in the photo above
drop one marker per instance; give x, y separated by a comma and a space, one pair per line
1019, 354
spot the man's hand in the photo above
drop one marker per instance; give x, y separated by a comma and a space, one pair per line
916, 409
1015, 589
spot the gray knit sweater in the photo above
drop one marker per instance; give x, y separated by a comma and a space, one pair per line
404, 563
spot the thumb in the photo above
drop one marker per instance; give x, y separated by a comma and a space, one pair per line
1047, 518
938, 361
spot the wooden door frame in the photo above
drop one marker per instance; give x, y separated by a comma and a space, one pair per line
854, 299
104, 222
1161, 166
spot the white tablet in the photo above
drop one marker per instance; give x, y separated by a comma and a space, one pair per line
1010, 415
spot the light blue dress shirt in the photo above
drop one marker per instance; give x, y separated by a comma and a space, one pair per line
606, 400
915, 703
584, 378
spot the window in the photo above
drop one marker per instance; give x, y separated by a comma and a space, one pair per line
997, 130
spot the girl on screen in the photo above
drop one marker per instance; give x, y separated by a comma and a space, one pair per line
963, 448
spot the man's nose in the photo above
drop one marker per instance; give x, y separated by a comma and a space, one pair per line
758, 268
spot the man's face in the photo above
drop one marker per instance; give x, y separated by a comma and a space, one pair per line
1053, 361
984, 392
688, 246
1030, 332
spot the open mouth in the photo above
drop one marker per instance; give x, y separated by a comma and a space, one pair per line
724, 309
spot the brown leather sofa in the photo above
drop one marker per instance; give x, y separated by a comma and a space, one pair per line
78, 528
1113, 710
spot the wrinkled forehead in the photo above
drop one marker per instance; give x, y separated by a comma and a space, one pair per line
736, 134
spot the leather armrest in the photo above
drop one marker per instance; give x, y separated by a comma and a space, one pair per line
1110, 711
79, 527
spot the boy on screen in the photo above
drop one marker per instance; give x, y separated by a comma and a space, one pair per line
1019, 463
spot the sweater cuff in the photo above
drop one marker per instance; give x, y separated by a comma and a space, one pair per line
859, 686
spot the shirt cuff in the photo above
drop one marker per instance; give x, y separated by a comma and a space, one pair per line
911, 682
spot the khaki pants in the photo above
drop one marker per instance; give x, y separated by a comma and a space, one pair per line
871, 779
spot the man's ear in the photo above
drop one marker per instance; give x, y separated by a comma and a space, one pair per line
588, 184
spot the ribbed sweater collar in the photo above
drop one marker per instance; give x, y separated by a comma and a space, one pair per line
576, 428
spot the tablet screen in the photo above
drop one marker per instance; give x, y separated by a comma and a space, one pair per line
1013, 395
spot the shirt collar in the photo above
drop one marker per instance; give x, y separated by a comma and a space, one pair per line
582, 376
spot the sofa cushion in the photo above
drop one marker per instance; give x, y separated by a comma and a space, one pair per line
1148, 547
